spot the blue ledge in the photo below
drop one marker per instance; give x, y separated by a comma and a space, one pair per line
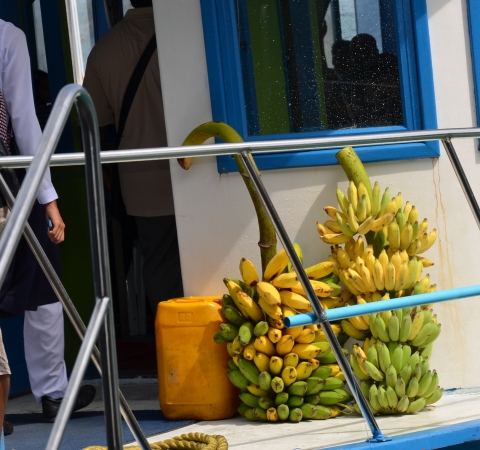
462, 436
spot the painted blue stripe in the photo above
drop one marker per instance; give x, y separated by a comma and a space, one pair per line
313, 158
388, 305
467, 433
473, 8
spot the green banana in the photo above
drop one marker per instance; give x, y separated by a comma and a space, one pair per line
249, 399
393, 327
281, 398
381, 329
384, 358
397, 358
261, 329
354, 169
265, 402
277, 384
249, 415
265, 381
373, 371
283, 412
424, 383
294, 401
392, 398
228, 331
400, 387
356, 369
219, 339
322, 413
435, 397
308, 410
382, 398
433, 385
403, 404
407, 352
405, 328
329, 398
412, 387
298, 388
391, 376
295, 415
227, 300
423, 335
233, 315
313, 399
245, 333
241, 409
260, 413
238, 379
332, 383
416, 406
322, 372
249, 370
373, 397
314, 385
372, 356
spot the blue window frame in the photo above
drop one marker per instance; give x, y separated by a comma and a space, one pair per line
473, 14
235, 102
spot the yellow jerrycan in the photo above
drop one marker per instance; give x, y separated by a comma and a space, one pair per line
192, 369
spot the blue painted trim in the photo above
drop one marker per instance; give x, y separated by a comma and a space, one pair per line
434, 438
473, 10
375, 307
227, 95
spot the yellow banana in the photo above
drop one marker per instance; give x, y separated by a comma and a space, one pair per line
425, 261
406, 236
268, 293
264, 345
321, 289
248, 272
306, 351
352, 194
274, 334
399, 200
342, 201
354, 332
414, 247
422, 228
331, 211
430, 240
343, 258
290, 359
275, 365
348, 282
404, 256
407, 209
285, 280
359, 247
382, 221
304, 370
344, 226
306, 337
233, 289
249, 352
320, 270
392, 206
352, 220
390, 277
252, 309
295, 301
401, 277
274, 311
361, 209
396, 260
378, 276
357, 281
376, 198
332, 238
394, 236
359, 323
289, 375
367, 278
322, 230
366, 317
332, 225
285, 345
262, 361
276, 265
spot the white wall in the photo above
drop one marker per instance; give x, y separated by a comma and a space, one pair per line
216, 221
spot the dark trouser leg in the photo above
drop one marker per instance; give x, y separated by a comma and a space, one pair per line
161, 267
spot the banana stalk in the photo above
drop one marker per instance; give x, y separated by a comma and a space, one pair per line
268, 238
354, 168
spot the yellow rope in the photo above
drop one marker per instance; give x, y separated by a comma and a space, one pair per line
190, 441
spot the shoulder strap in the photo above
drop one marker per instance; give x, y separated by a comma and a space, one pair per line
134, 83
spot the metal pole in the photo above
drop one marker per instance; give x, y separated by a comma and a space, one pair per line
286, 145
72, 314
101, 267
462, 178
376, 307
68, 402
317, 307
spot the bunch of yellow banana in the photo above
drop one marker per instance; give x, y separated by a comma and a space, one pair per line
394, 377
284, 374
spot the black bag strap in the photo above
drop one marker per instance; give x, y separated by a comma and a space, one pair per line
134, 84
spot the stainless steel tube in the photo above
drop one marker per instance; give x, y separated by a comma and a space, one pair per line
72, 314
317, 307
462, 178
286, 145
101, 267
68, 402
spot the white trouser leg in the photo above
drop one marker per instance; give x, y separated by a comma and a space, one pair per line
44, 351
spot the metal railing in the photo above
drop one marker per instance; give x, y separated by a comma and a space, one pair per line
103, 313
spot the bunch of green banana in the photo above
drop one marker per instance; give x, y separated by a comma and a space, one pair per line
395, 378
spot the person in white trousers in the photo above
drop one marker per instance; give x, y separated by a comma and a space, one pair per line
26, 289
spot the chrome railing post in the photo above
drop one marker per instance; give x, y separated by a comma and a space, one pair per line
101, 267
317, 307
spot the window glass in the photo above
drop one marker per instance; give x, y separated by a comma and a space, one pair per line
39, 38
126, 6
87, 30
315, 65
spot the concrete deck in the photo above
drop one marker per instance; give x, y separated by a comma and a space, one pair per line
454, 408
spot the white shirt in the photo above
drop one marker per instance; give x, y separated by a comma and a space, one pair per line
16, 86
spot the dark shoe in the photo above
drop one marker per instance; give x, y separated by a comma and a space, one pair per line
50, 406
7, 428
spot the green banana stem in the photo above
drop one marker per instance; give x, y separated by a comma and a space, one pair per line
354, 168
268, 237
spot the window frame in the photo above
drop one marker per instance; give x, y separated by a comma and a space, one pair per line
473, 11
418, 96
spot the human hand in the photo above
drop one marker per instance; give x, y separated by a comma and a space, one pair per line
57, 234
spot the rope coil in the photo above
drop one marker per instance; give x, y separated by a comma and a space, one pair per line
190, 441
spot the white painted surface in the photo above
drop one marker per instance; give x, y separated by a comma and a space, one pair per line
216, 220
316, 434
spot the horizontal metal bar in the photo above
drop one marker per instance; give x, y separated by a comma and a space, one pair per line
286, 145
386, 305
